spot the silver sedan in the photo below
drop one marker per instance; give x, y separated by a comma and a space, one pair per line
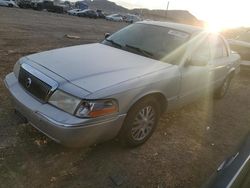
86, 94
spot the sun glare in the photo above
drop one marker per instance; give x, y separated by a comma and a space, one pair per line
219, 15
214, 27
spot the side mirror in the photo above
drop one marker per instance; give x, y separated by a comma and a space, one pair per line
107, 35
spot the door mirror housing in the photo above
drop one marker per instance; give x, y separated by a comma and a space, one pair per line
107, 35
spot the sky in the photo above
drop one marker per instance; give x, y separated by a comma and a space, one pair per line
217, 13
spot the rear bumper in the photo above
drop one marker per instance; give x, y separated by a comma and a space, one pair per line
58, 125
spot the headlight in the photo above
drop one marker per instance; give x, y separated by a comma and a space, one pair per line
64, 101
97, 108
83, 108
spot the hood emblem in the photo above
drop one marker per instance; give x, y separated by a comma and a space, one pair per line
28, 82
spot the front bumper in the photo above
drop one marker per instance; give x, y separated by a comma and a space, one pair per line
61, 126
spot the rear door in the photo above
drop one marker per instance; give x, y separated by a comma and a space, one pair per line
219, 64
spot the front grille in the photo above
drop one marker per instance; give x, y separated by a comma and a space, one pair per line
33, 85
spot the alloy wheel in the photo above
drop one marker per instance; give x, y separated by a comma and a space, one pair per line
143, 123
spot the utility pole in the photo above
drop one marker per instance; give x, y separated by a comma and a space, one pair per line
167, 9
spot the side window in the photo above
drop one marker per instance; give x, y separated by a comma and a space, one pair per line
218, 48
202, 51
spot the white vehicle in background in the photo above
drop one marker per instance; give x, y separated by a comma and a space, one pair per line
8, 3
131, 18
74, 12
115, 17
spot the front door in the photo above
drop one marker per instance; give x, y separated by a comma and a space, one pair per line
196, 73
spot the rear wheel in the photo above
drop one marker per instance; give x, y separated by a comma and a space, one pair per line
140, 122
223, 89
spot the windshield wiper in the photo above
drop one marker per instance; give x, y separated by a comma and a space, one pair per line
114, 43
143, 52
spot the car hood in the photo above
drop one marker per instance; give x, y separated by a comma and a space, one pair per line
96, 66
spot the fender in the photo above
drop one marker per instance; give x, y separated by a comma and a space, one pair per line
163, 99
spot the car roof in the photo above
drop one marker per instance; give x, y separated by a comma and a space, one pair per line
181, 27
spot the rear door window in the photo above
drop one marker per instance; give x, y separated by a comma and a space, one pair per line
218, 48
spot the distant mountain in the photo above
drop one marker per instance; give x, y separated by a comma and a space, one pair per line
106, 6
180, 16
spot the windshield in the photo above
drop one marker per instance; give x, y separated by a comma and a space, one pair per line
157, 41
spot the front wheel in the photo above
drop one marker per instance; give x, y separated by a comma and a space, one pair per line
223, 89
140, 122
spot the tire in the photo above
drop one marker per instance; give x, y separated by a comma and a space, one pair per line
223, 89
10, 5
140, 122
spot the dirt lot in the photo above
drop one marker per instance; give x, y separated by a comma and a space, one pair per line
186, 148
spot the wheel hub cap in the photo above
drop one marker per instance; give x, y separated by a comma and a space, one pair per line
143, 123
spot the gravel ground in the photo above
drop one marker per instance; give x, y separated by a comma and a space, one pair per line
186, 148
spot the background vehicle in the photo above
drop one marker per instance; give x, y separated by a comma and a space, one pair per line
37, 4
74, 11
100, 14
81, 5
234, 171
115, 17
50, 6
87, 13
8, 3
24, 4
131, 18
57, 9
